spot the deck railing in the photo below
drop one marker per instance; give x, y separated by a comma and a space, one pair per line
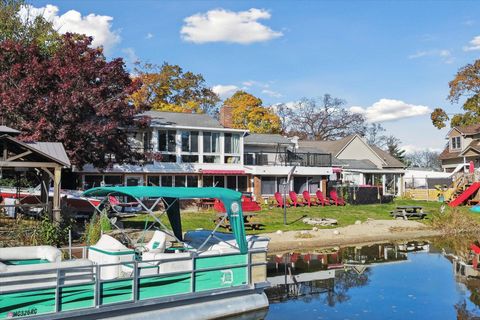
92, 276
288, 158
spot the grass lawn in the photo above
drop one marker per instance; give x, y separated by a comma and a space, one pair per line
272, 218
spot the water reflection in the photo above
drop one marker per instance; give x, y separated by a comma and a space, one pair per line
388, 280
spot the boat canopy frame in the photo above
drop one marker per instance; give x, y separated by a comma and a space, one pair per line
171, 196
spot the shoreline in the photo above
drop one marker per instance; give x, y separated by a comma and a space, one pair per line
370, 231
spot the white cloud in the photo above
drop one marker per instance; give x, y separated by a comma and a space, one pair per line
444, 54
220, 25
469, 22
272, 93
224, 91
390, 109
149, 36
474, 44
96, 26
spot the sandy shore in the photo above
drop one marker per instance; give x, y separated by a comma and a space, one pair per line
366, 232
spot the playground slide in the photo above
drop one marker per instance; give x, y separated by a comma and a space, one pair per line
465, 195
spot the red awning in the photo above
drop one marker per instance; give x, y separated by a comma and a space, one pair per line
223, 172
337, 170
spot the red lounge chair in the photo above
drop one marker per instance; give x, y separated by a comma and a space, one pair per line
321, 200
308, 199
338, 201
279, 199
248, 205
295, 201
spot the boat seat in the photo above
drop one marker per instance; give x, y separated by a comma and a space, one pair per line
45, 274
109, 250
157, 243
167, 262
49, 253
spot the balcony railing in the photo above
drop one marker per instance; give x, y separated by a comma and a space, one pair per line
288, 159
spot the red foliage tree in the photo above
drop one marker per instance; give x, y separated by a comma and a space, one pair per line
72, 95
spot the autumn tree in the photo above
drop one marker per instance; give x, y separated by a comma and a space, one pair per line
72, 95
170, 88
248, 113
466, 84
18, 25
324, 119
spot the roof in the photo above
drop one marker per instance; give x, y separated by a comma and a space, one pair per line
358, 164
333, 146
266, 138
447, 154
474, 145
54, 150
181, 119
468, 130
8, 130
391, 161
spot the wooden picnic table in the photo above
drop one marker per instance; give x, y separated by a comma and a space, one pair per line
247, 216
406, 212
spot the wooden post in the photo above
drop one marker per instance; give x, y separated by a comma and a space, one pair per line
56, 193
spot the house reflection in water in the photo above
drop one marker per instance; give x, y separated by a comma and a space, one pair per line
330, 271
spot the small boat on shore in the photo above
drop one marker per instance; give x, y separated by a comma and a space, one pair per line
200, 275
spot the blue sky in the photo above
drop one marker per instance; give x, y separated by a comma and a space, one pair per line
390, 60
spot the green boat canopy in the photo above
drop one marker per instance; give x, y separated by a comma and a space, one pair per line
231, 200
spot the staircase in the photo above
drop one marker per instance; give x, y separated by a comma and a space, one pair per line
465, 186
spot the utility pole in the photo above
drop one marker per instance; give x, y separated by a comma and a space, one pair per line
285, 185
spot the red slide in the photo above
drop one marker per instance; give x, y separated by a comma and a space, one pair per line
465, 195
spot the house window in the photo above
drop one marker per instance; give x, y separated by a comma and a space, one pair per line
147, 141
92, 181
219, 181
232, 182
192, 181
232, 143
242, 183
166, 158
211, 159
166, 140
167, 181
190, 141
179, 181
268, 185
113, 181
456, 143
189, 158
153, 181
300, 184
211, 142
208, 181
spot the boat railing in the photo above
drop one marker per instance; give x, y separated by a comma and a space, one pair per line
73, 276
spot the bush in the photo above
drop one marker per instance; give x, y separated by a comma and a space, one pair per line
97, 225
52, 233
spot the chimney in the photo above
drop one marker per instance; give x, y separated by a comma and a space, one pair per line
226, 116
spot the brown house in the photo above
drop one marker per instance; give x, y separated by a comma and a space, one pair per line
463, 146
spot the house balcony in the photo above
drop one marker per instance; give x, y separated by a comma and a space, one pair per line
288, 158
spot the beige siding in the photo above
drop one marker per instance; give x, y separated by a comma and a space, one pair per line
358, 150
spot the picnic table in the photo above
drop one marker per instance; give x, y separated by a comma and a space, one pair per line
247, 221
406, 212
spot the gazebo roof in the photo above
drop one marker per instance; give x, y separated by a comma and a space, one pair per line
37, 151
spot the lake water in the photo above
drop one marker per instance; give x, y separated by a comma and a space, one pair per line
414, 280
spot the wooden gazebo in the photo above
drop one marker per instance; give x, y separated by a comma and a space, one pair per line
48, 157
